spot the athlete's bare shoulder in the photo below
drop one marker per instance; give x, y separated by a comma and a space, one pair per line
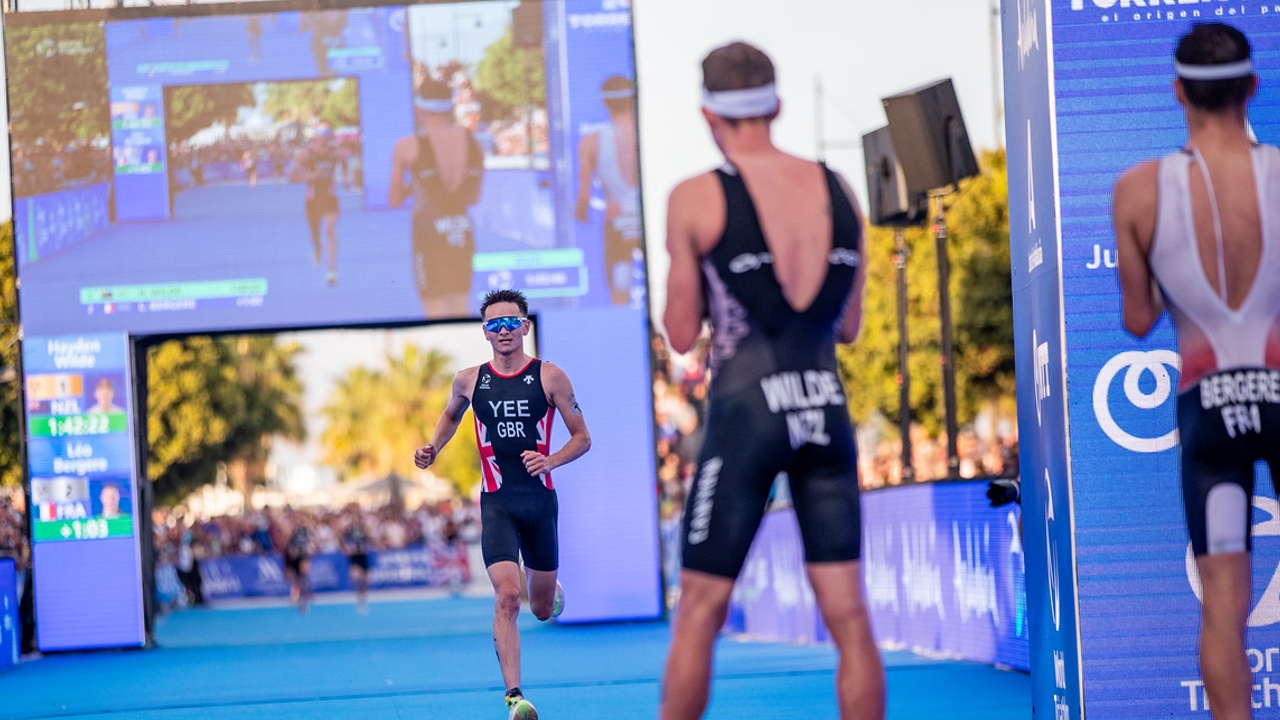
696, 212
465, 381
406, 149
1134, 202
1138, 183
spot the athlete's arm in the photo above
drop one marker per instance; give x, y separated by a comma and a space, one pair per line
560, 395
683, 315
851, 317
400, 161
458, 403
1134, 213
588, 147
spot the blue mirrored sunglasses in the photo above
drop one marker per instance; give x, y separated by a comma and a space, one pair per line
498, 324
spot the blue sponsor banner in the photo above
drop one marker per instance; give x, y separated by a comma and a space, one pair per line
10, 642
1035, 250
263, 575
944, 572
1111, 105
45, 224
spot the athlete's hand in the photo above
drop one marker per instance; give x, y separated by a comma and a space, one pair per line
424, 456
535, 462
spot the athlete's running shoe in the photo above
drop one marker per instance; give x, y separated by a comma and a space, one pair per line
332, 277
557, 605
520, 709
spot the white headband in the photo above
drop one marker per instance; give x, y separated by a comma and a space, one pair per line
435, 106
622, 94
746, 103
1223, 71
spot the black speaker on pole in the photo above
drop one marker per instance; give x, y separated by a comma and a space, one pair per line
888, 202
526, 24
930, 138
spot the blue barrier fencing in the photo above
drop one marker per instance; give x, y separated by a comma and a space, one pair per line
45, 224
9, 625
263, 575
944, 572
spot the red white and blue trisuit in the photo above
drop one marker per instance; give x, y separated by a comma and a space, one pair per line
518, 511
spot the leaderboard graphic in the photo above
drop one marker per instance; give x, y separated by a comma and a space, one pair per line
1112, 591
276, 165
83, 511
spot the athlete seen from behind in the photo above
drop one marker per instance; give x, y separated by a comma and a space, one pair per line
1194, 234
768, 249
514, 398
445, 165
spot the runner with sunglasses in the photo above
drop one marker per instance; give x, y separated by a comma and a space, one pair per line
515, 398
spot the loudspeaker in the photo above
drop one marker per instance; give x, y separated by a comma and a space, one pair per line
929, 134
888, 202
526, 24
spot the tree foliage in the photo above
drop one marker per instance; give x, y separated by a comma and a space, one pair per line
377, 418
510, 75
193, 108
10, 411
218, 400
57, 83
335, 102
981, 307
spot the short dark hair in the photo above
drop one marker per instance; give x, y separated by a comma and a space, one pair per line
737, 66
1214, 44
432, 89
616, 83
507, 296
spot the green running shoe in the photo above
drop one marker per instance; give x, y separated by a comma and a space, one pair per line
557, 605
520, 709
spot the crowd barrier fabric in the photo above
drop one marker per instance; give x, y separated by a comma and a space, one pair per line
944, 572
9, 625
263, 575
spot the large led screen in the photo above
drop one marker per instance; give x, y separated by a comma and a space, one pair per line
234, 169
271, 166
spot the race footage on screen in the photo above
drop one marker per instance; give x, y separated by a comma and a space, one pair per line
295, 168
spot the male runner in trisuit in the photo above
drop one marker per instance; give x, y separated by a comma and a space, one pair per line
514, 398
447, 166
1193, 234
772, 242
612, 154
316, 165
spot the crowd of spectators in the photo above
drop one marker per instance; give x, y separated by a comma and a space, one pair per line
13, 538
183, 541
43, 166
264, 157
267, 531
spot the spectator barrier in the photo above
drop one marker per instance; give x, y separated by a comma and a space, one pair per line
9, 625
263, 575
945, 575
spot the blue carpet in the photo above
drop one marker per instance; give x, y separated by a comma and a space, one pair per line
433, 660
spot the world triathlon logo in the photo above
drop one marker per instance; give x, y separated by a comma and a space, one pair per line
1266, 524
1148, 385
